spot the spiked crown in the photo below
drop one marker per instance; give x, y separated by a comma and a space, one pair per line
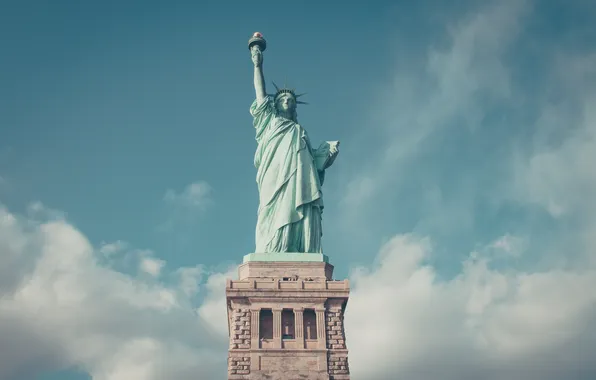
285, 90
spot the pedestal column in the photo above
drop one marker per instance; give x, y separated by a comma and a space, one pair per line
299, 326
254, 328
255, 317
277, 328
321, 333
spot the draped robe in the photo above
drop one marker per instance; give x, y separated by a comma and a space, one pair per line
289, 179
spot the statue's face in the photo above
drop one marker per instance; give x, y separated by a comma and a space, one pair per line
286, 103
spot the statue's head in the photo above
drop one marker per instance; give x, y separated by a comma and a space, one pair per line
286, 101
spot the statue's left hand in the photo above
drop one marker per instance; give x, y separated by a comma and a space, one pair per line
334, 148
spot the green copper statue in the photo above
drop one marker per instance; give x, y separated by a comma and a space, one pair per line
289, 171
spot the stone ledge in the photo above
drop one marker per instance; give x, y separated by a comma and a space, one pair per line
286, 257
286, 270
288, 296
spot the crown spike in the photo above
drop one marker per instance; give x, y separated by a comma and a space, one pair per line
286, 90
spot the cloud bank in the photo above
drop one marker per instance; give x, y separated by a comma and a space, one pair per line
60, 307
403, 322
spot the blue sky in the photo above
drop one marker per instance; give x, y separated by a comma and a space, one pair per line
462, 200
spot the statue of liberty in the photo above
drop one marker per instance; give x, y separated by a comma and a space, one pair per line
290, 172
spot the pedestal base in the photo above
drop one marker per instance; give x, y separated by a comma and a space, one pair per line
285, 321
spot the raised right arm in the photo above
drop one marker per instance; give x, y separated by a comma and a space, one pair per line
257, 59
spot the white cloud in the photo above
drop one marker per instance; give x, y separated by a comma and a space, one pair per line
562, 179
36, 211
110, 249
184, 208
402, 322
151, 266
564, 176
509, 245
59, 307
358, 189
214, 308
189, 279
195, 195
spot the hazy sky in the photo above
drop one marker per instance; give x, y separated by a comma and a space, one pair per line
462, 206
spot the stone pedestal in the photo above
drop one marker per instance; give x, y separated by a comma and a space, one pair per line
285, 320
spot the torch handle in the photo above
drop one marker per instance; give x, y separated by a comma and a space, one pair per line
255, 49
